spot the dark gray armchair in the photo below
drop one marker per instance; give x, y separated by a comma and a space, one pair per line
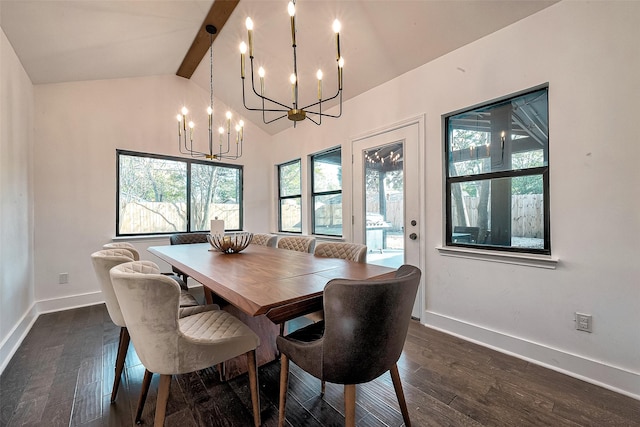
362, 336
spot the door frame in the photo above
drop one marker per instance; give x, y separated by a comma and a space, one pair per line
420, 121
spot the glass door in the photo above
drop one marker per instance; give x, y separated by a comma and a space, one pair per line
387, 197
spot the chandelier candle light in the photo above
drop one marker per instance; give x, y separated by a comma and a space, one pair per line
293, 111
186, 126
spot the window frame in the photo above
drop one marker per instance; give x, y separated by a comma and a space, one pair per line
188, 162
293, 196
315, 194
542, 171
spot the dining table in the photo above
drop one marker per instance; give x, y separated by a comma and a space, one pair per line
263, 286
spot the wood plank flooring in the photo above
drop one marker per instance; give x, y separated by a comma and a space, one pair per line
63, 372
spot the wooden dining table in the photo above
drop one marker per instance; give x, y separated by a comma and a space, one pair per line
264, 286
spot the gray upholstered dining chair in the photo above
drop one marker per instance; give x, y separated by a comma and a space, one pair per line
186, 239
352, 251
168, 344
297, 243
361, 337
264, 239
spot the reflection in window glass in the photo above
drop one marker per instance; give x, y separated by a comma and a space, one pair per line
497, 175
526, 226
327, 192
290, 179
214, 194
290, 215
290, 197
152, 195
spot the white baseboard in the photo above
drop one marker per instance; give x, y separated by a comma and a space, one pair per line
12, 341
610, 377
10, 344
69, 302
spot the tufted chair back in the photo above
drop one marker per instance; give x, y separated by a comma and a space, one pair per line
264, 239
103, 261
295, 243
188, 238
351, 251
123, 245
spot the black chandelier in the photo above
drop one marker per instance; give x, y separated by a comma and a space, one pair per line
186, 127
294, 111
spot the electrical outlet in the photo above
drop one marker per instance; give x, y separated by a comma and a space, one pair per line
63, 278
584, 322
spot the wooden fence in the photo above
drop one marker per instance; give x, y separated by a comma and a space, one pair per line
162, 217
527, 214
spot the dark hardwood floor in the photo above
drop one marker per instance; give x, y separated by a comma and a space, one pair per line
63, 372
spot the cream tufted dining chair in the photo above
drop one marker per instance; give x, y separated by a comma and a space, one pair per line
123, 245
105, 260
297, 243
351, 251
264, 239
167, 344
355, 344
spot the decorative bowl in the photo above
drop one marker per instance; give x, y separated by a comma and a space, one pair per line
230, 243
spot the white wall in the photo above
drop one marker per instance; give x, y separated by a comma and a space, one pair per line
79, 126
16, 201
588, 53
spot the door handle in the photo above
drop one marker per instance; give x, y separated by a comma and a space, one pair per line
413, 236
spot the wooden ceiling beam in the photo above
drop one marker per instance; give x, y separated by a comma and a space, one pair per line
218, 14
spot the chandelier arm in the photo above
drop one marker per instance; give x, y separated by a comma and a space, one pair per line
189, 151
313, 121
253, 87
273, 120
334, 116
321, 101
273, 110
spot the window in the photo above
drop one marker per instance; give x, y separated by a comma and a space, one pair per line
290, 197
326, 192
162, 194
497, 175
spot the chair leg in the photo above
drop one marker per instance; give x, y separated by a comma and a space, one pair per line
323, 387
397, 385
253, 385
284, 384
208, 295
222, 372
350, 405
123, 346
163, 397
146, 381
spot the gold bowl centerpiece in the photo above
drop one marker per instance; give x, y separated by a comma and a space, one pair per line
230, 243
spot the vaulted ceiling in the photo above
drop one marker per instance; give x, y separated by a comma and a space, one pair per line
65, 41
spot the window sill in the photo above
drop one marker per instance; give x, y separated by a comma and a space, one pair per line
528, 260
